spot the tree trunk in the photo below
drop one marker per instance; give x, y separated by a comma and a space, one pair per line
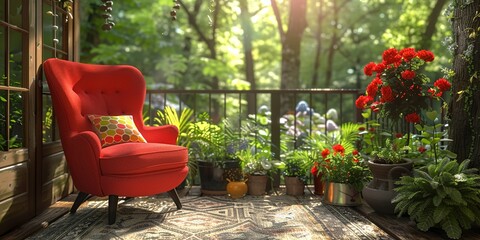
245, 19
432, 20
318, 50
333, 47
291, 44
465, 105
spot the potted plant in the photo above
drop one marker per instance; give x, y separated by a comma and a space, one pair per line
347, 135
256, 163
442, 195
213, 146
345, 173
295, 171
397, 95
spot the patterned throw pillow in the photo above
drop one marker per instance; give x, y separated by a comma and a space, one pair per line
116, 129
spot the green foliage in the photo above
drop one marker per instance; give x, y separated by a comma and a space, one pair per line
297, 164
444, 195
208, 140
256, 155
182, 122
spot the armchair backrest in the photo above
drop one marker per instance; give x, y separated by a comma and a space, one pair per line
79, 89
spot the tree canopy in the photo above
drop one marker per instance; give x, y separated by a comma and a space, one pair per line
267, 44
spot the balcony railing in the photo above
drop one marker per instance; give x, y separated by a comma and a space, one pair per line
236, 105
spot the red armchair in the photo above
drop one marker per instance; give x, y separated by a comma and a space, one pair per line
127, 169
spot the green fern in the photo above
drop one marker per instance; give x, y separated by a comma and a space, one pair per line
445, 195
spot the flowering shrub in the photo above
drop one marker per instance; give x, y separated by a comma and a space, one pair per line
337, 165
398, 90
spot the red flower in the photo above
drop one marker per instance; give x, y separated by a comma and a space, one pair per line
408, 74
325, 153
372, 88
337, 148
361, 129
425, 55
390, 56
398, 135
442, 84
412, 118
362, 101
368, 69
355, 152
434, 93
408, 54
422, 149
314, 169
387, 94
379, 68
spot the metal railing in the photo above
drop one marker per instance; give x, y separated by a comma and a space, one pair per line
236, 105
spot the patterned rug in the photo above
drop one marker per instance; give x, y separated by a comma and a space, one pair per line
208, 217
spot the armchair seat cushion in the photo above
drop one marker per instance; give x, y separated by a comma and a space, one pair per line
142, 158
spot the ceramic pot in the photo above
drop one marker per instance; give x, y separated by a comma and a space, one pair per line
257, 184
294, 186
341, 194
378, 194
236, 189
213, 179
318, 184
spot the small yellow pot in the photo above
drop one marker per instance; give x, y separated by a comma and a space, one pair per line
236, 189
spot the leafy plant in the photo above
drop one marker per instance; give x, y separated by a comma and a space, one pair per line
339, 166
183, 122
297, 164
213, 142
445, 195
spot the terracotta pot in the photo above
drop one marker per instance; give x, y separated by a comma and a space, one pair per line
236, 189
341, 194
318, 184
257, 184
294, 186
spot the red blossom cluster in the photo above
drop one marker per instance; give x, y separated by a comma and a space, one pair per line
342, 166
397, 89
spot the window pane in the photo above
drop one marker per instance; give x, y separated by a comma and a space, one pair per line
17, 132
3, 66
3, 117
52, 27
47, 119
61, 24
2, 10
16, 10
47, 25
16, 66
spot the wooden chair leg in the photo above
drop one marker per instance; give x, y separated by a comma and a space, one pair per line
112, 208
173, 194
81, 197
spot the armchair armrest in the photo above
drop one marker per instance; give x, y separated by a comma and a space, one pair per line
160, 134
83, 154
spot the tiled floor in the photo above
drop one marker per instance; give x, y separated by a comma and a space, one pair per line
400, 228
